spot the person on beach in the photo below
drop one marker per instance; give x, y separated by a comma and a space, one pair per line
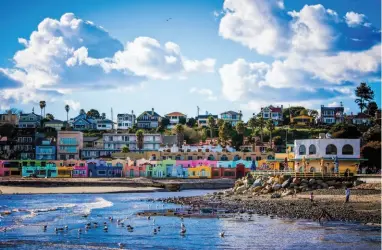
347, 193
311, 196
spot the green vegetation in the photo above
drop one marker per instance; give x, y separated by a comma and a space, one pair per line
365, 94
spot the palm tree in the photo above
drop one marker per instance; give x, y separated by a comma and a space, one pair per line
271, 128
125, 149
140, 135
67, 108
49, 116
179, 129
261, 125
211, 124
42, 106
220, 122
240, 129
252, 123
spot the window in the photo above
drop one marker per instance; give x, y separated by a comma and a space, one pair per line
331, 149
312, 149
224, 158
229, 173
215, 173
200, 157
189, 158
258, 158
236, 158
347, 150
177, 157
302, 150
270, 157
211, 158
101, 172
248, 158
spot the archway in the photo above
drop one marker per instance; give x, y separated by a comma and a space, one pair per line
240, 170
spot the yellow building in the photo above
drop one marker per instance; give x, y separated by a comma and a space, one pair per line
199, 172
302, 120
64, 169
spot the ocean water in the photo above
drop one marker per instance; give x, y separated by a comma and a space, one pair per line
30, 212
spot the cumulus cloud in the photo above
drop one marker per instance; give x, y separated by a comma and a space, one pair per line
74, 54
204, 92
73, 104
317, 54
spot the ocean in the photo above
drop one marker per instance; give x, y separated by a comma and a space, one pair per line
29, 213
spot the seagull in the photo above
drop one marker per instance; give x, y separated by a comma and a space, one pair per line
45, 227
222, 234
183, 231
168, 19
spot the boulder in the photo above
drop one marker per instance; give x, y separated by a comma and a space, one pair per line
296, 181
270, 180
287, 192
312, 181
285, 184
305, 184
319, 181
239, 183
241, 189
331, 183
276, 186
257, 183
256, 189
275, 195
304, 181
332, 187
318, 187
324, 185
292, 185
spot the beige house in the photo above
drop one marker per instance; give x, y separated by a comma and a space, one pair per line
9, 118
69, 144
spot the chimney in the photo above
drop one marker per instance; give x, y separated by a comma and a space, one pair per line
152, 111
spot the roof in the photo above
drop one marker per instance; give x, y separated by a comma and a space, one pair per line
231, 113
26, 114
104, 121
169, 139
150, 113
175, 114
121, 115
54, 121
273, 109
206, 116
90, 138
332, 108
362, 116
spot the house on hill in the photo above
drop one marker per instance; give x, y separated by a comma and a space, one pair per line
148, 120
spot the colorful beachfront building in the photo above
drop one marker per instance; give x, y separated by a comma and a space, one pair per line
3, 170
12, 167
39, 169
199, 172
64, 168
327, 155
102, 168
79, 168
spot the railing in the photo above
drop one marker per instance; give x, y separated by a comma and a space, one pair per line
297, 174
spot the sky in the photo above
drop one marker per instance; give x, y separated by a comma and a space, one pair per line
179, 55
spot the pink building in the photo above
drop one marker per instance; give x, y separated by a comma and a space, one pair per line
209, 163
80, 169
3, 171
69, 144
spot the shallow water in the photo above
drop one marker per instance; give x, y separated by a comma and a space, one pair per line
25, 226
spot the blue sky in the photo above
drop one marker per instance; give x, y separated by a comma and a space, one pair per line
218, 55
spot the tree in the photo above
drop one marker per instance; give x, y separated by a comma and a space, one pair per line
372, 152
313, 113
343, 130
303, 112
211, 125
49, 116
82, 112
93, 113
277, 140
291, 111
103, 116
240, 129
191, 136
252, 123
220, 122
182, 120
364, 94
372, 107
204, 135
372, 134
191, 122
224, 133
125, 149
67, 108
271, 127
42, 106
140, 135
179, 129
164, 122
261, 125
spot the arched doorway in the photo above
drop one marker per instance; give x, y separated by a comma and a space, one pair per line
240, 170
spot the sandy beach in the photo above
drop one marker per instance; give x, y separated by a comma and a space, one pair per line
74, 190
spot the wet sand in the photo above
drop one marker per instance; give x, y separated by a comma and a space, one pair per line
74, 190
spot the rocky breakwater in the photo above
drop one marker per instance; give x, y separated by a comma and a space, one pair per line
280, 186
284, 196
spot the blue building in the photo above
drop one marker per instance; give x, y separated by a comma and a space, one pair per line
83, 122
101, 168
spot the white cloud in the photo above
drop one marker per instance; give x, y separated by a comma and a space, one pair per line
204, 92
73, 104
354, 19
71, 53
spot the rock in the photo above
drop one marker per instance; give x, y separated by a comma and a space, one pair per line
240, 189
257, 189
304, 181
285, 184
296, 181
292, 185
324, 185
275, 195
305, 184
319, 181
257, 183
331, 183
287, 192
270, 180
332, 187
318, 187
357, 182
312, 181
239, 183
276, 187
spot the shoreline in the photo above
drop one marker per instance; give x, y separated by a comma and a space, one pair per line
364, 206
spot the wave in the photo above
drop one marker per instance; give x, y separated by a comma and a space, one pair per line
86, 208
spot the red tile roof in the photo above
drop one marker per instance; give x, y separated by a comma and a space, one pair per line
175, 114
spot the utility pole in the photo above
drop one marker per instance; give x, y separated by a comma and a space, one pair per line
197, 107
112, 120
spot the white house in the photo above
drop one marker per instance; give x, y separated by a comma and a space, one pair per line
105, 124
274, 113
118, 141
174, 118
126, 121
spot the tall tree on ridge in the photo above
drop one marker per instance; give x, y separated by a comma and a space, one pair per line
271, 128
261, 125
364, 94
67, 108
140, 136
240, 129
179, 129
211, 124
42, 106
